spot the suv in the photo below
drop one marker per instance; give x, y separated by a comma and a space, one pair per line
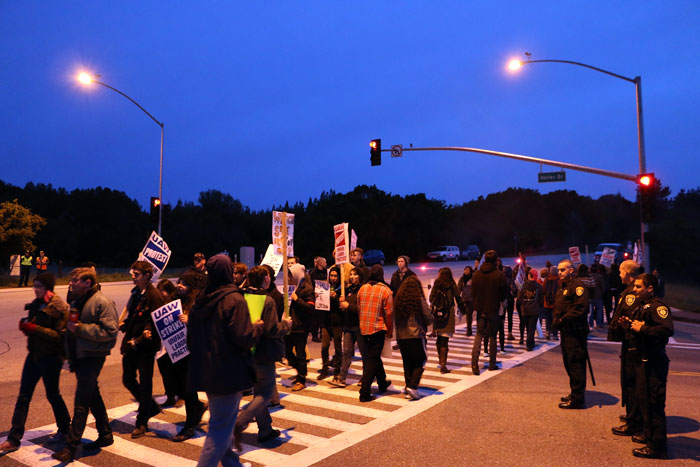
471, 252
443, 253
622, 252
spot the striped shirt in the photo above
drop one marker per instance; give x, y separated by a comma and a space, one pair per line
375, 303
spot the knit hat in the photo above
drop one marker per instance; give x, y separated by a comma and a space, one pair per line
405, 258
47, 280
297, 271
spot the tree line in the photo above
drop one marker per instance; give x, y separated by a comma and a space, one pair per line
109, 228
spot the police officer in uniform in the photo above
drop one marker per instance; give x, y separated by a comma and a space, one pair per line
651, 325
570, 310
619, 332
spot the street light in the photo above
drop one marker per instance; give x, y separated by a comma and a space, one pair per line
87, 79
515, 65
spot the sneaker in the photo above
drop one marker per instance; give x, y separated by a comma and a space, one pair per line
270, 436
7, 447
298, 386
367, 398
139, 432
100, 442
322, 374
413, 393
65, 455
185, 433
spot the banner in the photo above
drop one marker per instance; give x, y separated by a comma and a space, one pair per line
575, 255
342, 253
323, 295
608, 257
273, 260
277, 233
353, 240
157, 253
172, 331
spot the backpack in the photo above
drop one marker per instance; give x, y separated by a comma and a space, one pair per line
440, 305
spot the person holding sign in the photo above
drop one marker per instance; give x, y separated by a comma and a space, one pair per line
351, 326
140, 343
219, 337
268, 350
332, 328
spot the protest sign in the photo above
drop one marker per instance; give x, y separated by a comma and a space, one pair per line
278, 232
323, 295
273, 260
157, 253
353, 240
172, 331
575, 255
608, 257
342, 253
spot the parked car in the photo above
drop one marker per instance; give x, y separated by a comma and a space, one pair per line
622, 252
470, 252
444, 253
373, 257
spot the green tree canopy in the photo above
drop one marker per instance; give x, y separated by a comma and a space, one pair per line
18, 226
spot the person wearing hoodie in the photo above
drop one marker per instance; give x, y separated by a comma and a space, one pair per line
530, 302
489, 288
91, 333
219, 336
268, 350
331, 329
44, 327
464, 285
302, 310
351, 325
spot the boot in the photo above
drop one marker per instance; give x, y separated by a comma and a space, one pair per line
442, 352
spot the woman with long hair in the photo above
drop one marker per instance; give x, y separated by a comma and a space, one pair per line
412, 316
443, 297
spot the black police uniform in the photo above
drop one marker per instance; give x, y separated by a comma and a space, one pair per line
570, 310
629, 356
652, 371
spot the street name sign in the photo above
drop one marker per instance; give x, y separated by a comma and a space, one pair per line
551, 177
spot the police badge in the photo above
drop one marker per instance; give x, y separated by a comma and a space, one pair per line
629, 299
662, 311
579, 291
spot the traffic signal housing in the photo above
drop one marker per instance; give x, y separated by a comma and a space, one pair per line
647, 188
375, 152
155, 207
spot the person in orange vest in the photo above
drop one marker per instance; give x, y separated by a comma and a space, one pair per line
42, 263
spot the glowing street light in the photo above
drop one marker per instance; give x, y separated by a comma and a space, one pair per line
515, 64
86, 79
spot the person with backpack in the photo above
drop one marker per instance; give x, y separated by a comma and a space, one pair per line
549, 291
443, 297
530, 302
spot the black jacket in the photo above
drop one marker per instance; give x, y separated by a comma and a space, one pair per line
489, 288
571, 306
270, 347
396, 279
50, 319
139, 308
220, 335
303, 309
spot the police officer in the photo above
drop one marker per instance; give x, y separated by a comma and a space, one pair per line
570, 310
652, 325
619, 332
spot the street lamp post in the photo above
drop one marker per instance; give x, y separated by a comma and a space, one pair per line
87, 78
515, 64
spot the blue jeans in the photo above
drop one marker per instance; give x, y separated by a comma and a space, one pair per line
596, 312
263, 391
87, 399
48, 369
350, 337
223, 409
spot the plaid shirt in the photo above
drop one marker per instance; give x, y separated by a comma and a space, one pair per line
376, 308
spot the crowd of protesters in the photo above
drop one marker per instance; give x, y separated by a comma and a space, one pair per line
237, 332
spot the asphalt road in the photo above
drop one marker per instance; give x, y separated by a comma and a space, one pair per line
509, 417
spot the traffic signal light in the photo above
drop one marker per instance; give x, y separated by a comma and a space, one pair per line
647, 187
155, 207
375, 152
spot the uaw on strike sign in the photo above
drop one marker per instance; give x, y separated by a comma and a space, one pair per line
172, 331
157, 253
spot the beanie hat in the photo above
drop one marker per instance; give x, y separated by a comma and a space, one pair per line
405, 258
47, 280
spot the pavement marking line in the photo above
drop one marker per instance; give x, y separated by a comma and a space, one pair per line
35, 454
351, 437
318, 420
424, 381
349, 393
684, 373
672, 340
362, 410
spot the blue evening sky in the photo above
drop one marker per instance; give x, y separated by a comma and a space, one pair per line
277, 101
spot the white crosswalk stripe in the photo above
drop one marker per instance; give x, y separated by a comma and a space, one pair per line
314, 422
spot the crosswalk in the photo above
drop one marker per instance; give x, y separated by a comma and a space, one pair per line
315, 422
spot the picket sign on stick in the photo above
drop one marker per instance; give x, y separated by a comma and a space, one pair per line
285, 267
340, 234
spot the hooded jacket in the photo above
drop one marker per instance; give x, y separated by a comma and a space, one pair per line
489, 288
97, 332
50, 319
220, 335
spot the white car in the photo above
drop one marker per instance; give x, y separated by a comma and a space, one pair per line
444, 253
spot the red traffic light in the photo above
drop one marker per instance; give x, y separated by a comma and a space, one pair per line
645, 180
155, 202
